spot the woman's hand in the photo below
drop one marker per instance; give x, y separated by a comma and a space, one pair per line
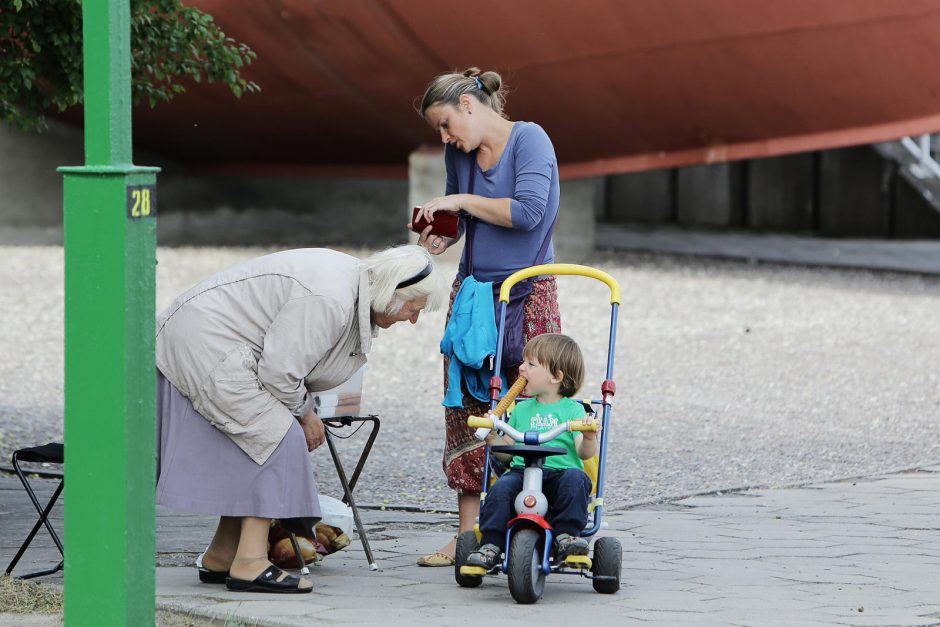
314, 431
496, 211
452, 204
434, 244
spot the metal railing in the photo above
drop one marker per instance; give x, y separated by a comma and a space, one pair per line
927, 165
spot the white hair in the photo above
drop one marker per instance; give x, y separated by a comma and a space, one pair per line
389, 267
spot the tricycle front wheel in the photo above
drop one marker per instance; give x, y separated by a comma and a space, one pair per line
526, 579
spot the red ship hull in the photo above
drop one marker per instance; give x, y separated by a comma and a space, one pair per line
620, 86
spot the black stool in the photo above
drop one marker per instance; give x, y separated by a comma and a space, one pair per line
52, 453
349, 484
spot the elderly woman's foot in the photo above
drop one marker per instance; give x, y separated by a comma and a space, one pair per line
216, 563
212, 568
260, 575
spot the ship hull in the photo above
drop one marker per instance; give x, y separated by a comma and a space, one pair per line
620, 86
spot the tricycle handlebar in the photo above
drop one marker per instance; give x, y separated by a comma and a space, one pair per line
580, 425
479, 422
492, 422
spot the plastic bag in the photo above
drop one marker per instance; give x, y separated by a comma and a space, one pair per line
336, 514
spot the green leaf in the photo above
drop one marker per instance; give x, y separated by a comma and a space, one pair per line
41, 45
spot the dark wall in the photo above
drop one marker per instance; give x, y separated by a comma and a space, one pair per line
288, 211
854, 193
849, 192
780, 193
710, 195
642, 197
205, 210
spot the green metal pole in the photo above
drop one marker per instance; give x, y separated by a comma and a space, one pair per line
110, 258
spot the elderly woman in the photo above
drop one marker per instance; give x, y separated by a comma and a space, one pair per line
502, 176
240, 357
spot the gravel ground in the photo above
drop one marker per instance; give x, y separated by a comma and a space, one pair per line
729, 374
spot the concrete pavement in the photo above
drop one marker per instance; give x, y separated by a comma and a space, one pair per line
854, 552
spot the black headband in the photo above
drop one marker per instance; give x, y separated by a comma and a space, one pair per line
427, 270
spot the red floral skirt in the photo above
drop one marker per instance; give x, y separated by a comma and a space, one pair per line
463, 453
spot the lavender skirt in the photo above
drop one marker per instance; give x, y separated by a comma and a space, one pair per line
200, 470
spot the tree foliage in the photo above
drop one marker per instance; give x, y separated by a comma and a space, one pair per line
41, 55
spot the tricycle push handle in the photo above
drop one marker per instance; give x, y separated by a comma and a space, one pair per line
563, 269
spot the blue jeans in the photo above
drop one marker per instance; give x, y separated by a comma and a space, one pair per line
568, 492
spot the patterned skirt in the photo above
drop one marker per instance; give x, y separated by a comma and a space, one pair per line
463, 453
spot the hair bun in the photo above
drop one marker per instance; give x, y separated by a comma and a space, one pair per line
487, 87
491, 82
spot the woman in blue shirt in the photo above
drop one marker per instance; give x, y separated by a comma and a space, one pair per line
502, 176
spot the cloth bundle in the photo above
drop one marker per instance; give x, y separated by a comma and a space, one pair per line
328, 540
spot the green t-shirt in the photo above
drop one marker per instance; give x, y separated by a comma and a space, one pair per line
531, 415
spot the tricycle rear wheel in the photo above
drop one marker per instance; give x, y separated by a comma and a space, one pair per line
608, 555
466, 544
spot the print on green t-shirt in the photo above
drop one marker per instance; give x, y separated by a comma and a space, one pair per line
531, 415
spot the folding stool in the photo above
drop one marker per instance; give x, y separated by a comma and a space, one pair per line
52, 453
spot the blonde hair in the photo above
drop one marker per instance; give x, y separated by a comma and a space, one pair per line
448, 88
557, 352
389, 267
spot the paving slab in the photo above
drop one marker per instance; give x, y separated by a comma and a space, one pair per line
765, 556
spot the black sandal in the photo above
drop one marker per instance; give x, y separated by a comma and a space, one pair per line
268, 582
209, 576
212, 576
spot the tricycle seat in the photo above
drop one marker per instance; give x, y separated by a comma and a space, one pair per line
528, 451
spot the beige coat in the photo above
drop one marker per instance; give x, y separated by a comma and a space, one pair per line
249, 345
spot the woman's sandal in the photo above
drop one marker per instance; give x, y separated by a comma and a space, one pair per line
268, 582
437, 558
209, 576
212, 576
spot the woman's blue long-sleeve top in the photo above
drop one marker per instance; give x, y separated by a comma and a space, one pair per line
527, 174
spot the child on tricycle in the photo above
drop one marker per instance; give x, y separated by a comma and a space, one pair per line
553, 367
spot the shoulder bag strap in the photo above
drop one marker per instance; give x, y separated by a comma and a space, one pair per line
470, 225
469, 220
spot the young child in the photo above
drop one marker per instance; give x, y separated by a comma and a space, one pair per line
554, 368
